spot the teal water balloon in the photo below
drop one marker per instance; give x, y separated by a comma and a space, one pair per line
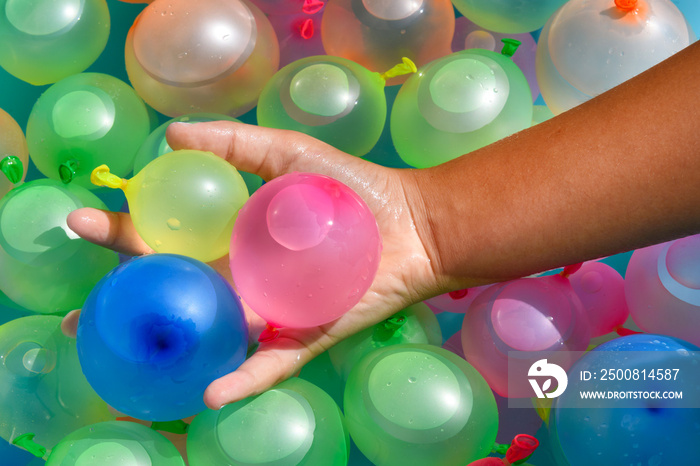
419, 404
156, 145
44, 41
83, 121
115, 443
42, 389
330, 98
294, 423
415, 324
44, 266
457, 104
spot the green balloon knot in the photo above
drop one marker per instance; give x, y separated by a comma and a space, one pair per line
12, 167
387, 329
500, 448
26, 441
509, 46
405, 67
101, 176
174, 427
67, 171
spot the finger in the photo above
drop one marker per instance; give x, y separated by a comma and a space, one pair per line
267, 367
113, 230
266, 152
69, 324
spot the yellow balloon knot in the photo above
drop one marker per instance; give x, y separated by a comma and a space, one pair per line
101, 176
407, 66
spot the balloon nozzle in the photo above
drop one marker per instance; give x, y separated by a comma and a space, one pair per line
26, 441
270, 333
12, 167
67, 171
521, 448
510, 46
626, 5
174, 427
101, 176
405, 67
385, 330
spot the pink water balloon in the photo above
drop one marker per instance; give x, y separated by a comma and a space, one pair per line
304, 250
513, 324
601, 289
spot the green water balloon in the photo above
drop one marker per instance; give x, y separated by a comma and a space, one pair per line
44, 266
419, 404
183, 202
457, 104
42, 388
43, 41
330, 98
293, 423
320, 372
115, 443
83, 121
415, 324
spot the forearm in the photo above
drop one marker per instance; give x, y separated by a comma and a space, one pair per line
619, 172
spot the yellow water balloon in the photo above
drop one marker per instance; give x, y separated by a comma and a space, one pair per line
183, 202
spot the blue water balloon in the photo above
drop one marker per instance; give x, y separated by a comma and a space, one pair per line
156, 331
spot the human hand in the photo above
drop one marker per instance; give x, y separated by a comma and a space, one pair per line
407, 271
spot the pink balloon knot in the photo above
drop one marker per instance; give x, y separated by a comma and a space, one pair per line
623, 332
270, 333
570, 269
307, 29
458, 294
312, 6
523, 446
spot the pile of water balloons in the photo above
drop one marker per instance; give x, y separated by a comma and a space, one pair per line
88, 88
